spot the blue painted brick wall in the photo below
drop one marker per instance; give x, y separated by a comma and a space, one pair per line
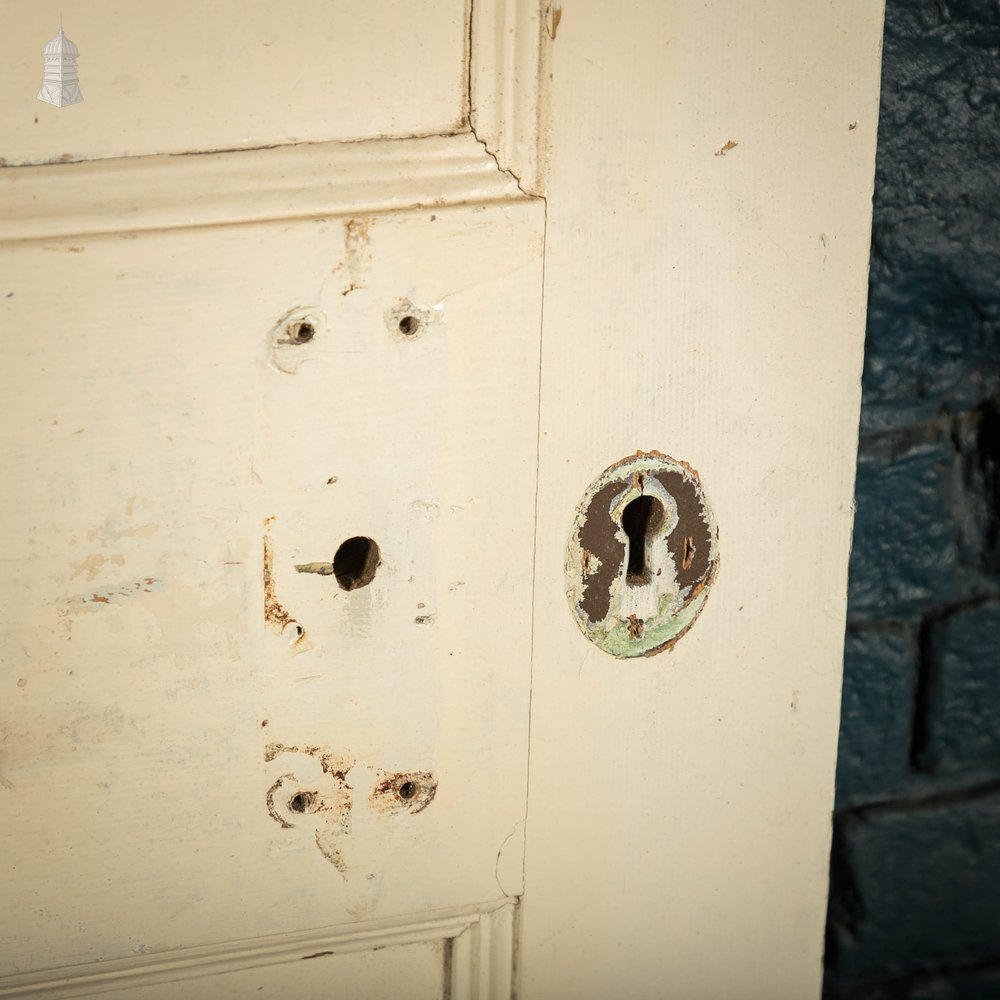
915, 870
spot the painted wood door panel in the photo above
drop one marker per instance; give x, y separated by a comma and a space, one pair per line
220, 368
186, 76
413, 971
173, 462
708, 205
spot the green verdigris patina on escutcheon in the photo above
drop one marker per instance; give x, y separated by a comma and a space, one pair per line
643, 554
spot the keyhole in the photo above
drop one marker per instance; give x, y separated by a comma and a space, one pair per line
355, 562
640, 519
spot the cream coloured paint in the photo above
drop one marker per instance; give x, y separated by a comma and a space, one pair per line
708, 207
705, 223
190, 76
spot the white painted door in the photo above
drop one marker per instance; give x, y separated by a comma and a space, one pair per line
297, 429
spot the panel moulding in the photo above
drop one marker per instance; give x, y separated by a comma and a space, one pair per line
509, 62
309, 180
480, 956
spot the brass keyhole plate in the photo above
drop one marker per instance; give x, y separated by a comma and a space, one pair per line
643, 554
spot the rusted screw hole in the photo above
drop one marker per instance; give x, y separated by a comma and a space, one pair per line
409, 325
301, 333
302, 802
407, 790
293, 632
355, 563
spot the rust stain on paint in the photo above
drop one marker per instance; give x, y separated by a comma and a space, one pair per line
555, 16
329, 849
275, 613
357, 235
325, 803
271, 807
113, 595
357, 251
335, 764
412, 791
728, 146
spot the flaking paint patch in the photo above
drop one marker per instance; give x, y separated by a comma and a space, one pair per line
289, 350
357, 253
118, 593
626, 614
93, 563
409, 791
324, 803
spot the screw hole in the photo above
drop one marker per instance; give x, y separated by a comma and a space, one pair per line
301, 333
689, 550
407, 790
302, 802
409, 325
293, 632
355, 563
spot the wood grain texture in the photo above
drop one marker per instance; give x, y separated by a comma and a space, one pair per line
709, 201
187, 76
160, 433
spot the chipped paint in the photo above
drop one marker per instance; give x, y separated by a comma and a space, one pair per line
116, 594
275, 614
640, 603
296, 337
408, 321
411, 791
322, 568
357, 253
555, 16
324, 803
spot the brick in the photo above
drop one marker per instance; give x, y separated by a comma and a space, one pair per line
912, 908
935, 303
919, 887
927, 352
958, 985
977, 434
951, 984
880, 672
904, 552
959, 717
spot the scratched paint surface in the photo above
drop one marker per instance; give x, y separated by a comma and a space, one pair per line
181, 468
